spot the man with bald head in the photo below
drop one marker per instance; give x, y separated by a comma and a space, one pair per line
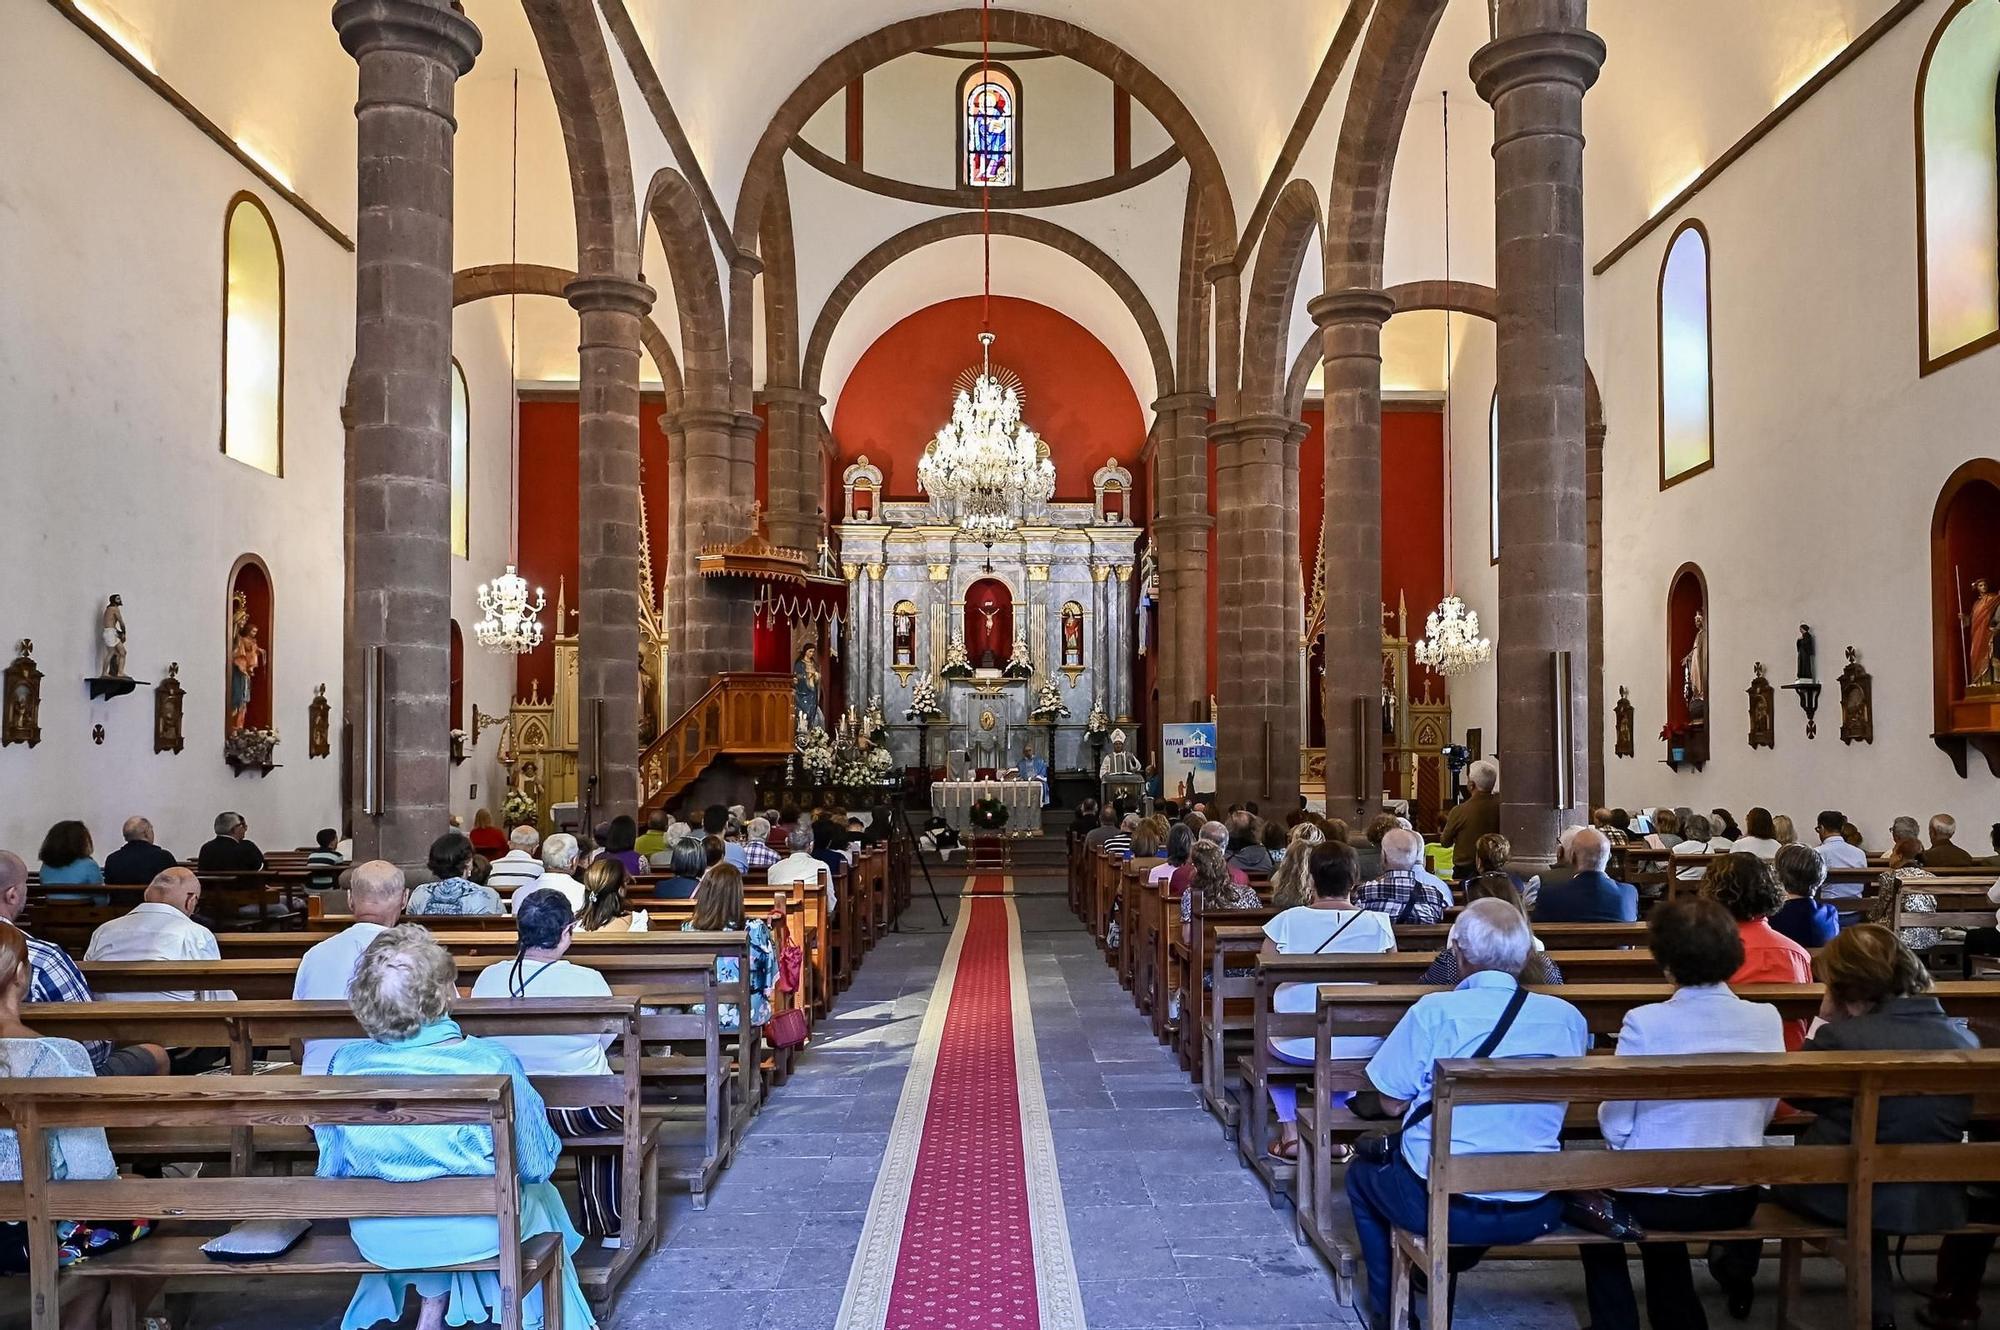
1590, 895
56, 979
160, 928
377, 893
138, 860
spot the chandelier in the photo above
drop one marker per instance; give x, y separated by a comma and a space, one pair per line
510, 622
986, 467
1451, 643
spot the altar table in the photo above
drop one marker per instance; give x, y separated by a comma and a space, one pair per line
952, 800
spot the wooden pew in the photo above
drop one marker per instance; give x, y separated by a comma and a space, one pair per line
1864, 1078
1373, 1010
33, 1107
1132, 874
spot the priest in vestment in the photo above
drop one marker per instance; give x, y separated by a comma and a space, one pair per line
1035, 769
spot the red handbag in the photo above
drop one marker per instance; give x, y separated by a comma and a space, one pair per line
787, 1029
791, 956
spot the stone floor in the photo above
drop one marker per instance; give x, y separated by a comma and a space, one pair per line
1167, 1229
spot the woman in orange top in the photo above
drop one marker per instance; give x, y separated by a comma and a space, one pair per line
1743, 885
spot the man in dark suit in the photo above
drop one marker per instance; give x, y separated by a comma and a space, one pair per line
232, 850
138, 861
1590, 895
1942, 852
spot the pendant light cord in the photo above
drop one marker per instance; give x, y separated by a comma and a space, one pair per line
513, 348
1450, 569
986, 176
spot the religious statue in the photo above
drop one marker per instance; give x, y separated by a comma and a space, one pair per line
1857, 702
169, 710
805, 687
112, 627
1694, 670
1807, 669
1982, 671
246, 657
904, 643
20, 720
1763, 721
319, 723
987, 658
1072, 637
1623, 746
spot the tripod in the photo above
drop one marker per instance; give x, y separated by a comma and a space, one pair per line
900, 813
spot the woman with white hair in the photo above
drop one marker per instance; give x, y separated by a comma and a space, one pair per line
402, 993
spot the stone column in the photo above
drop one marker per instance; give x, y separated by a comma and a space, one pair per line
1594, 676
1121, 649
411, 54
673, 579
793, 473
1181, 533
1257, 738
607, 589
1350, 323
1534, 74
711, 630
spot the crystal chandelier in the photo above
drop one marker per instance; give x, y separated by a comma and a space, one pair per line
510, 623
986, 467
1451, 643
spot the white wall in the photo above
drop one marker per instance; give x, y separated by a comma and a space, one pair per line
1830, 451
111, 217
1475, 577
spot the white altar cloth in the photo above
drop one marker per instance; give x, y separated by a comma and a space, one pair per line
952, 800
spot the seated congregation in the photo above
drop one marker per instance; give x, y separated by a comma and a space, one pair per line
1406, 1038
571, 1022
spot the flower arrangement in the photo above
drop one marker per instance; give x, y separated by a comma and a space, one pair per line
988, 814
957, 665
814, 752
1018, 665
518, 809
1099, 724
1049, 704
250, 746
873, 725
924, 702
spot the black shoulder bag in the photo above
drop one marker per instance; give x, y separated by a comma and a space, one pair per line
1382, 1146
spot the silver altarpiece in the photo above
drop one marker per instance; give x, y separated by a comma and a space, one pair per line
1070, 578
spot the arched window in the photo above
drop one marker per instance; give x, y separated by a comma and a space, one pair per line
457, 685
1958, 187
1493, 477
461, 461
1687, 358
989, 128
253, 337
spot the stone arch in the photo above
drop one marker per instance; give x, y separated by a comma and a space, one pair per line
781, 290
1385, 75
1016, 225
1009, 26
600, 162
674, 209
540, 279
1274, 283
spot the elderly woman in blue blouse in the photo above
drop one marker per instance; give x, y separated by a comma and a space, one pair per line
402, 992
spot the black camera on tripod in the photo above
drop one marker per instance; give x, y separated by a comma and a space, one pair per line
1457, 756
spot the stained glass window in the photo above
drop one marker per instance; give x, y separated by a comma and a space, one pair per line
1958, 194
989, 128
1493, 477
1687, 396
461, 461
253, 337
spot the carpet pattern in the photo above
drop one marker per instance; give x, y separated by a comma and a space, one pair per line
966, 1229
988, 884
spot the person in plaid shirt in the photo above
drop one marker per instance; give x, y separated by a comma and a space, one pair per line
58, 980
757, 851
1399, 892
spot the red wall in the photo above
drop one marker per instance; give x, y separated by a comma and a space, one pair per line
1078, 397
549, 519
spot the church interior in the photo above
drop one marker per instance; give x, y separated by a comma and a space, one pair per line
925, 563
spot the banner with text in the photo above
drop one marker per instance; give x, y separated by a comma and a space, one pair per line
1187, 759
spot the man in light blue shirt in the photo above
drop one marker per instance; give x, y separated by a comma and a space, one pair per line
1492, 942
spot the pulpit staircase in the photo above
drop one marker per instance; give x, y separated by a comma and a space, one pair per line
743, 717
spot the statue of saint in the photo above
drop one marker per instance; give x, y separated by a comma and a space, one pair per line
113, 630
1694, 666
805, 687
1981, 670
1806, 666
246, 657
1072, 637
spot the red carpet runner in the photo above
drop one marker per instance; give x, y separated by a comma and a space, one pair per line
966, 1228
986, 884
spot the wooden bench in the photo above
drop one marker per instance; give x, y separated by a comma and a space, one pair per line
1864, 1078
34, 1107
